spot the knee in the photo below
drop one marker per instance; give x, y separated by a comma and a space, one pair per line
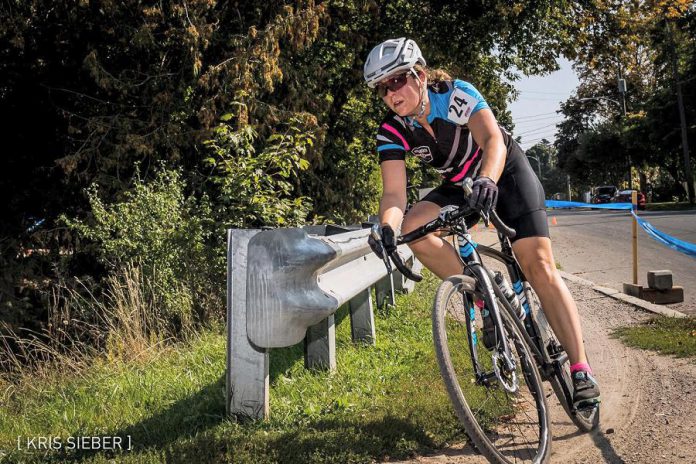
422, 246
541, 271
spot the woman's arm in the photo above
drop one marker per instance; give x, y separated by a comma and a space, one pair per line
485, 131
393, 203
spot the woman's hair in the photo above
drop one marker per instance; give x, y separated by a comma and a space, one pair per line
434, 75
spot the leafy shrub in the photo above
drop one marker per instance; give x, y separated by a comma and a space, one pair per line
166, 234
259, 187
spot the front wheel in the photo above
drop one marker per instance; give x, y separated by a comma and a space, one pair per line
505, 424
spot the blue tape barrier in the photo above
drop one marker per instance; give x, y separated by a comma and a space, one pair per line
672, 242
577, 204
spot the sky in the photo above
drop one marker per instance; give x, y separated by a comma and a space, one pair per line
534, 112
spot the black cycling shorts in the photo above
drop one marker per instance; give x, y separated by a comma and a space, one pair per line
521, 202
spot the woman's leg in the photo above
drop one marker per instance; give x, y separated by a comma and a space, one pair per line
435, 253
536, 259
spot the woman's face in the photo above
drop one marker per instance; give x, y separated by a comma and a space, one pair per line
405, 100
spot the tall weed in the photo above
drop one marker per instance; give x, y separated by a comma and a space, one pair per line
122, 325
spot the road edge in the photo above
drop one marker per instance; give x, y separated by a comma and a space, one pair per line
617, 295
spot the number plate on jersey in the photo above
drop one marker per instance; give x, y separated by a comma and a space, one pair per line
461, 105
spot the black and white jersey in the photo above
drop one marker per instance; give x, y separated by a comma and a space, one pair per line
453, 151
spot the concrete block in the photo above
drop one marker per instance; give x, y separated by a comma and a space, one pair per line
633, 290
673, 295
660, 280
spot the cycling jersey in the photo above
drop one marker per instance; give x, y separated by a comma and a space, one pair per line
455, 155
453, 151
520, 198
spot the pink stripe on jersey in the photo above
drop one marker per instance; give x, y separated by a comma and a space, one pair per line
395, 132
461, 175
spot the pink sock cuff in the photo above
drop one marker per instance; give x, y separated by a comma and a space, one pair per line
479, 304
580, 367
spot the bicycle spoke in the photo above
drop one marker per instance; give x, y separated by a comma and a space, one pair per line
510, 421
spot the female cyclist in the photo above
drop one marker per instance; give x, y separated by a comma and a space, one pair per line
448, 125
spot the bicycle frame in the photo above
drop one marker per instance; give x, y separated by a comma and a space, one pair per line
470, 253
548, 365
487, 287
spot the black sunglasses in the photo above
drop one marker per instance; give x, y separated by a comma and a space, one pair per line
393, 83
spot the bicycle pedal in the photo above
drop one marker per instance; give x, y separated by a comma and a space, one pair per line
587, 406
488, 380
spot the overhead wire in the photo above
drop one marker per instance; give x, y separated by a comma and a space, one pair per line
535, 115
537, 129
537, 119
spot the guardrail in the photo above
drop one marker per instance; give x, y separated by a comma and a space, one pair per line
283, 286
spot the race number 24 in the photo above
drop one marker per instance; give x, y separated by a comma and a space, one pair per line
460, 106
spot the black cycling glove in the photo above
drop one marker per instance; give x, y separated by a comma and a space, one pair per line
388, 241
484, 195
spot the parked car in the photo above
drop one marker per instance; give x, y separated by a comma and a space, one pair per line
624, 196
604, 194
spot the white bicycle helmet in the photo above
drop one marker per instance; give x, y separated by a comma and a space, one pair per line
390, 57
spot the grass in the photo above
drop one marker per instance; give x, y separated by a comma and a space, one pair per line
386, 400
669, 206
666, 335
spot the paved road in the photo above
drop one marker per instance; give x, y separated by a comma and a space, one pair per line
596, 245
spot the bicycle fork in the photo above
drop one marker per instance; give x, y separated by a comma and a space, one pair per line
502, 353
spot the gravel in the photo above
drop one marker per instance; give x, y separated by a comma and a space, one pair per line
647, 413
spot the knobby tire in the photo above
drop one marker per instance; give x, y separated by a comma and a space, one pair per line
529, 380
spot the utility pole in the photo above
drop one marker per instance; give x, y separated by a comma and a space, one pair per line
622, 91
568, 181
538, 165
682, 118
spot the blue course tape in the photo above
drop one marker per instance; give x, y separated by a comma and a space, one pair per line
577, 204
672, 242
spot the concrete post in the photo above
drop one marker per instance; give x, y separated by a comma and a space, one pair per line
384, 291
320, 345
247, 365
362, 318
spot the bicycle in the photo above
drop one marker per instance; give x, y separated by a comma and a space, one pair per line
508, 371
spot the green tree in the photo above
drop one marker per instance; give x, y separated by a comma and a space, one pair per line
221, 89
629, 40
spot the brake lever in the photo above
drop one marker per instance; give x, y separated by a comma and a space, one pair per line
377, 237
401, 266
486, 218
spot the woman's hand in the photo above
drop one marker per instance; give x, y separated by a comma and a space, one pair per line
484, 195
388, 243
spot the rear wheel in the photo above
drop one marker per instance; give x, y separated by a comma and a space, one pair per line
506, 417
562, 382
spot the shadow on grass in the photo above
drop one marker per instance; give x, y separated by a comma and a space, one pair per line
195, 430
182, 419
325, 441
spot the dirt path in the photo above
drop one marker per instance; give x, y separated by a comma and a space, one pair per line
648, 401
